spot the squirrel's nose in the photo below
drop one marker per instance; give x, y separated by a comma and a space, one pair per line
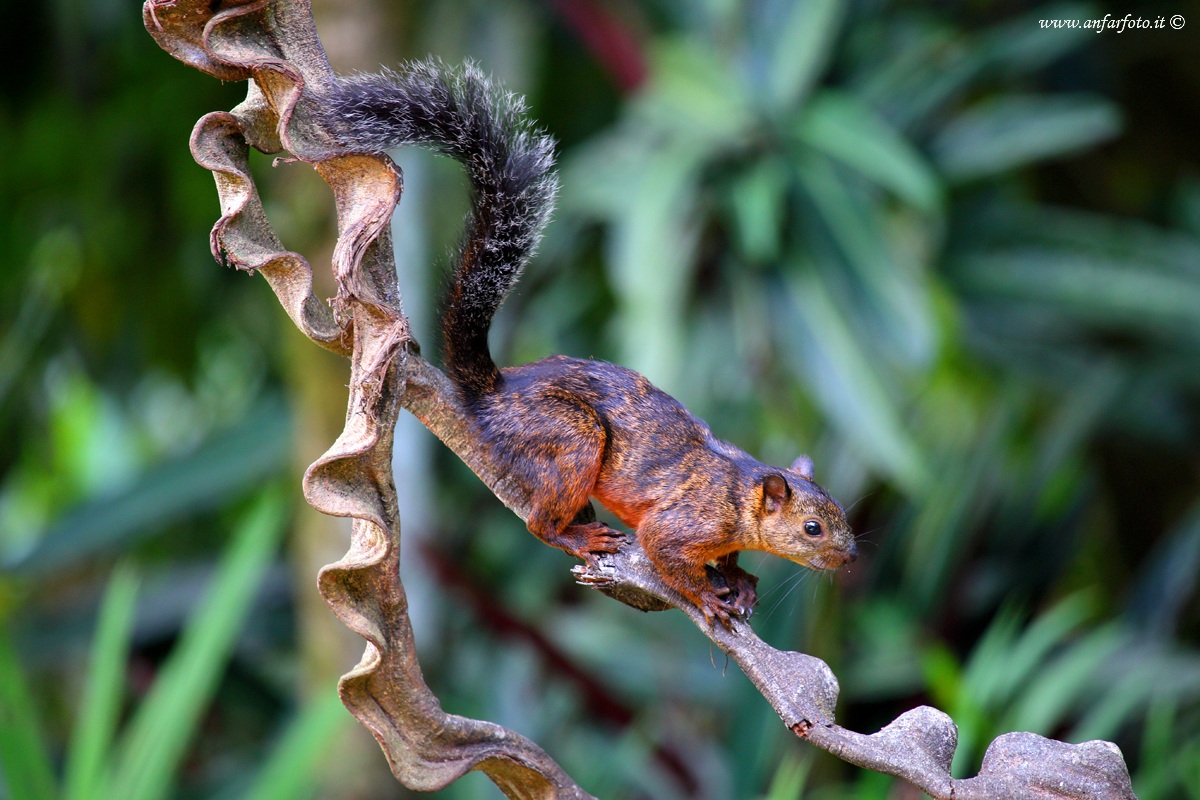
852, 553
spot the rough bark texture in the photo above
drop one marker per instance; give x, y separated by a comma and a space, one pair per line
272, 44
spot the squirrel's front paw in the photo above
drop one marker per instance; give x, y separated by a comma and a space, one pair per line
719, 609
735, 588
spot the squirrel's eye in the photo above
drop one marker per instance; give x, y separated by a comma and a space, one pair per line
812, 528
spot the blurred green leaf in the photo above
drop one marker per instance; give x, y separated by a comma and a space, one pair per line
1005, 133
1001, 665
25, 761
790, 778
225, 465
941, 531
1066, 432
88, 756
1186, 207
894, 287
801, 36
924, 67
596, 176
1155, 775
651, 261
1122, 700
945, 678
887, 651
1022, 46
165, 722
817, 338
1052, 692
54, 267
1148, 301
1169, 577
868, 785
843, 128
1189, 769
943, 675
1103, 237
758, 199
693, 96
288, 773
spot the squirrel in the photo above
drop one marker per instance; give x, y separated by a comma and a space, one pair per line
568, 429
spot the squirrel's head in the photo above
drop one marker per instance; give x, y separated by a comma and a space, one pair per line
799, 521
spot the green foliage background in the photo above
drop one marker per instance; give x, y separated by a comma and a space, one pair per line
953, 255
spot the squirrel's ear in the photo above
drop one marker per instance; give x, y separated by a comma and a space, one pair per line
804, 465
775, 492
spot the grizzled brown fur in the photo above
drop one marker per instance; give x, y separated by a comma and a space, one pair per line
569, 430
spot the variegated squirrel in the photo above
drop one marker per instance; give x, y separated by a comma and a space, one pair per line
570, 429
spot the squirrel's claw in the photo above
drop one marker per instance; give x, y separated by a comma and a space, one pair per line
588, 575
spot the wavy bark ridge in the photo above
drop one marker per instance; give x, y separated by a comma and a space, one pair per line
273, 45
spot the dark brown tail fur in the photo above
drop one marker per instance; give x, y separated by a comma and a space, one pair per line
463, 114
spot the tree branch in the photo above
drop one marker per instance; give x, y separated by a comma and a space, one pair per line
273, 45
918, 746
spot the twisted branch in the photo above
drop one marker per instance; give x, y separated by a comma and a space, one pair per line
272, 44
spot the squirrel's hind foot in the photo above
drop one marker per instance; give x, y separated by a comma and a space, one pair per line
589, 539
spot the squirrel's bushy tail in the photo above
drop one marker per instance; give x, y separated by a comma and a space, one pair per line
463, 114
